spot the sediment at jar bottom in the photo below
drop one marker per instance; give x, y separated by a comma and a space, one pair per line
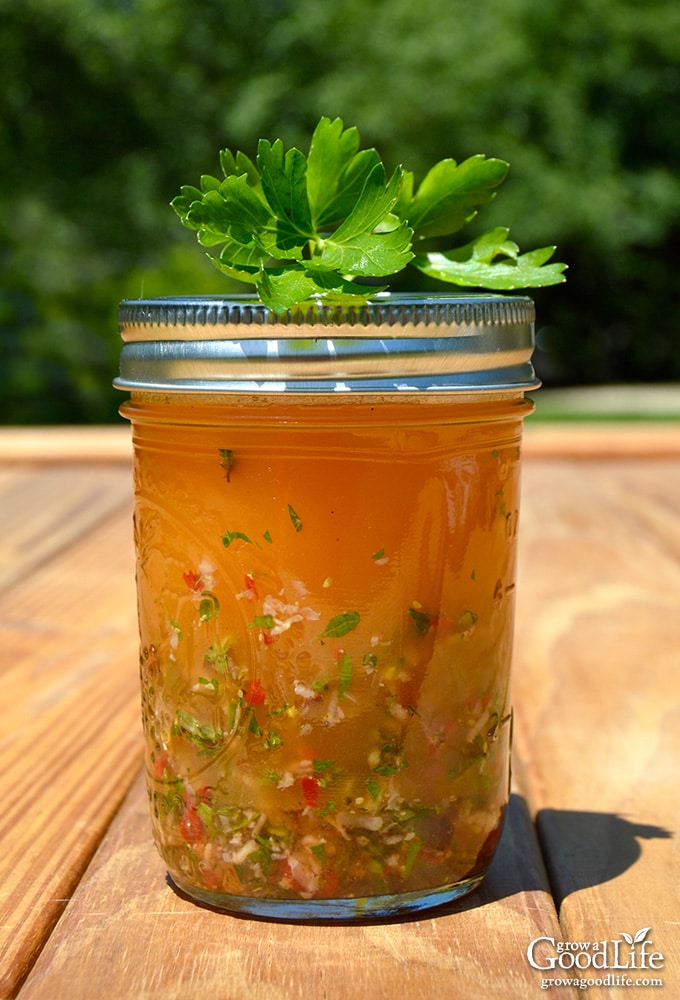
334, 850
326, 620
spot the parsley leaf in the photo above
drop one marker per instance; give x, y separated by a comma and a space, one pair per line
355, 248
305, 228
492, 261
336, 172
284, 182
451, 193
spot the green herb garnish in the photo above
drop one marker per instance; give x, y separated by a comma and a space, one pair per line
374, 788
340, 625
230, 536
467, 620
304, 228
391, 760
217, 656
322, 765
295, 520
272, 740
320, 851
387, 770
420, 619
227, 456
413, 852
345, 670
209, 607
262, 621
207, 738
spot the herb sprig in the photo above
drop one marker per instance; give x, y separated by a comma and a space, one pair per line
304, 228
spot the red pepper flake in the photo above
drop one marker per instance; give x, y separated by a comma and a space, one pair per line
250, 590
310, 792
192, 581
212, 878
160, 765
255, 693
331, 882
191, 827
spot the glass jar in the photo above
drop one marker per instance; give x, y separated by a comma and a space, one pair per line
326, 510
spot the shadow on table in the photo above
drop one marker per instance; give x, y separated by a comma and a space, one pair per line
566, 850
583, 849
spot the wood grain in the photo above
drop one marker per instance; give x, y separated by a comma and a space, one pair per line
47, 507
47, 445
597, 754
601, 439
127, 935
597, 693
543, 439
70, 739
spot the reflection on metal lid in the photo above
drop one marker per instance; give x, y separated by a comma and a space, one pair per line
394, 343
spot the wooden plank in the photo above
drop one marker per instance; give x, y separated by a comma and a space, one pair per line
596, 696
597, 693
601, 439
70, 741
543, 439
92, 444
44, 508
126, 935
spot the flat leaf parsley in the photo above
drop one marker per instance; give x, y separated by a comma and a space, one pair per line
312, 227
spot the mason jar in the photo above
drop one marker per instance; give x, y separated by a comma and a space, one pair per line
326, 515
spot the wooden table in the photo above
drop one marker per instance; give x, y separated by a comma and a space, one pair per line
591, 847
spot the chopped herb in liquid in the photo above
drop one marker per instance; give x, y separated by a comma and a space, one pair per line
297, 749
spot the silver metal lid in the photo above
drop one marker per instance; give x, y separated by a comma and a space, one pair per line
395, 342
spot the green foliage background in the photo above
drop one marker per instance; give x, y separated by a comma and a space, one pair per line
108, 106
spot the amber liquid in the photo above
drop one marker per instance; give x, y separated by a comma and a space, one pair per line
326, 595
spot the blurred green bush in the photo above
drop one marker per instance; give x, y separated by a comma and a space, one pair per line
107, 106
